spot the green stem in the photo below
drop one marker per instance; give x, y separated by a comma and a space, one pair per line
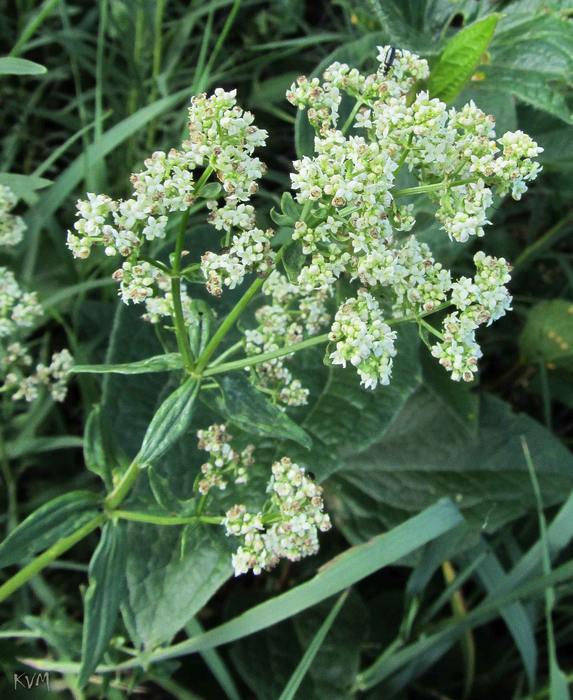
156, 65
430, 328
165, 519
542, 242
348, 123
227, 324
178, 317
115, 497
266, 356
422, 189
55, 551
229, 351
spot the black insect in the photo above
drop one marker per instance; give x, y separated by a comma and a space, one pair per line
389, 59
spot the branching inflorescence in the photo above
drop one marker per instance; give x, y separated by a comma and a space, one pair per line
349, 221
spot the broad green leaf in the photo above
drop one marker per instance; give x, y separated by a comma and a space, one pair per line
160, 363
534, 87
425, 455
461, 57
104, 595
339, 573
171, 573
97, 455
458, 398
20, 66
342, 417
56, 519
170, 422
548, 334
252, 412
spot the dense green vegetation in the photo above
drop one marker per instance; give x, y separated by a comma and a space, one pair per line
447, 572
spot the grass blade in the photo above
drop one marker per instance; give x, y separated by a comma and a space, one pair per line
291, 688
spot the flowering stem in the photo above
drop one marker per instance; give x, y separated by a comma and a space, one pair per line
229, 351
348, 122
116, 496
165, 519
178, 318
265, 356
421, 189
430, 328
47, 557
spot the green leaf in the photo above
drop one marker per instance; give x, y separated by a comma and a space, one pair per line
548, 334
342, 417
51, 522
97, 455
461, 57
104, 595
171, 573
339, 573
160, 363
425, 455
20, 66
170, 422
534, 87
248, 408
458, 398
23, 184
293, 261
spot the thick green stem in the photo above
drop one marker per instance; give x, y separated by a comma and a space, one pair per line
165, 519
115, 497
55, 551
227, 324
532, 250
348, 123
178, 317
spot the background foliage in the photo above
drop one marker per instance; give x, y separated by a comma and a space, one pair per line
467, 598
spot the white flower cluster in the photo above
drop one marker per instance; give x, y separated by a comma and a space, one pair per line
18, 309
288, 318
12, 227
286, 529
363, 339
481, 300
224, 462
353, 224
19, 313
221, 140
54, 376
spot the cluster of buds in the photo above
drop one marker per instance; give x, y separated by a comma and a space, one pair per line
353, 224
12, 227
221, 140
288, 526
288, 318
224, 463
20, 311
